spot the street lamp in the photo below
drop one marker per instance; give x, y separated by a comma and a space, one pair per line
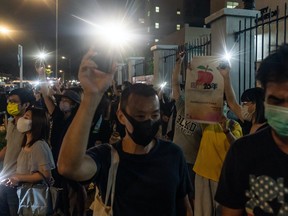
56, 35
69, 65
4, 30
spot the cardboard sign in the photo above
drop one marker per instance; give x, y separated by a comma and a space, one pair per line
204, 90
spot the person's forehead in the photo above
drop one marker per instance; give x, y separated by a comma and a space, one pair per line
14, 98
276, 89
138, 103
63, 98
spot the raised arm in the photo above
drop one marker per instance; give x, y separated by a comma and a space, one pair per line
44, 90
175, 77
230, 94
46, 94
73, 162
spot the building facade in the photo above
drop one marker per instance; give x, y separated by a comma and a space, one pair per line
163, 17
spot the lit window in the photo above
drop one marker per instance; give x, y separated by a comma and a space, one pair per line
232, 4
157, 9
157, 25
178, 27
178, 12
156, 40
141, 20
148, 13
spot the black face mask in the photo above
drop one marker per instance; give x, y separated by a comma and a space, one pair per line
143, 131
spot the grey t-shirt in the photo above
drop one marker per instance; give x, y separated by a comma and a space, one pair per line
14, 141
37, 158
187, 134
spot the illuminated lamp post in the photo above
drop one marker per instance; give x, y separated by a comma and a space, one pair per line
69, 66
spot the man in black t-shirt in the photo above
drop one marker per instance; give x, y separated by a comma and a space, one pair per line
254, 177
152, 177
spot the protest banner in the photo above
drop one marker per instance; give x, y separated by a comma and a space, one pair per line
204, 90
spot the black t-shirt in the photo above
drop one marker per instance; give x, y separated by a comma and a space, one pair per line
148, 184
255, 176
58, 130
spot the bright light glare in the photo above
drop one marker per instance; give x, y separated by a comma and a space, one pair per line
4, 30
36, 82
114, 33
42, 55
227, 56
163, 85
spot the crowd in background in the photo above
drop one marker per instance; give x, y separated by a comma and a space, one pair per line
38, 122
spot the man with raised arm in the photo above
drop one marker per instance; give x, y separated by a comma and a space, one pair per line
152, 177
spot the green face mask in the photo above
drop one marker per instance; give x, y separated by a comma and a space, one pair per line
277, 118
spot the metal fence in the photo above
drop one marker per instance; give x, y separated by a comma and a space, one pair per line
259, 37
256, 39
198, 47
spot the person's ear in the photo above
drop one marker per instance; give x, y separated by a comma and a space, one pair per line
120, 116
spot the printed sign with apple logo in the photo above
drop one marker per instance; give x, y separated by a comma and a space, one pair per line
204, 76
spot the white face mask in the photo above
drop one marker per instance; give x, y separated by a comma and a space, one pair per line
24, 125
245, 113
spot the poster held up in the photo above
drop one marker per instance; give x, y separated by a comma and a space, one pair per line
204, 90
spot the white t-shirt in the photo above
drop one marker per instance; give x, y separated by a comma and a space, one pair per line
37, 158
187, 134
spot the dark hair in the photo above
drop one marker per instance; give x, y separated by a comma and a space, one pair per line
257, 96
25, 95
126, 84
40, 126
137, 89
274, 68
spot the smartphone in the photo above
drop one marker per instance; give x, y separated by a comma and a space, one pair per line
104, 60
224, 64
39, 64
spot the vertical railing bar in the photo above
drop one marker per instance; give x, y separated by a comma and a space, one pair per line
245, 55
262, 51
256, 47
269, 32
277, 26
239, 62
285, 21
250, 54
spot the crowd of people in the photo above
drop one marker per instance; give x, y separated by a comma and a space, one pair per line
168, 165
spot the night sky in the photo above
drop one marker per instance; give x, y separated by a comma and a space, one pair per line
33, 26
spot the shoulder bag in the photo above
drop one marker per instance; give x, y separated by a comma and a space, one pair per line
38, 199
99, 208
